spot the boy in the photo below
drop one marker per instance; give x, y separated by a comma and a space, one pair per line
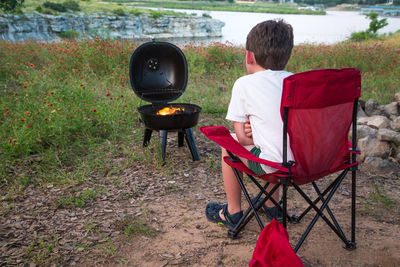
256, 101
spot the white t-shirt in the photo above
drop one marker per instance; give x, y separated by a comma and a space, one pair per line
257, 97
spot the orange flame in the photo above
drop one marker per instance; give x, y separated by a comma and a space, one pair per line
169, 111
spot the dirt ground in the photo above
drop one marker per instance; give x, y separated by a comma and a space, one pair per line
146, 216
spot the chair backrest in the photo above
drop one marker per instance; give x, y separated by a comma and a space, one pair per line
320, 106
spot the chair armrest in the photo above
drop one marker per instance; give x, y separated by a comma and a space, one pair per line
221, 136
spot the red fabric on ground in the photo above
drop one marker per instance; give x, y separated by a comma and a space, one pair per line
273, 248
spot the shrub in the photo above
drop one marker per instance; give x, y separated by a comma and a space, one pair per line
135, 12
55, 6
10, 5
69, 35
154, 14
119, 12
371, 32
206, 15
72, 5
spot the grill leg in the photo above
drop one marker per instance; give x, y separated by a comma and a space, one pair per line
192, 145
146, 136
181, 136
163, 143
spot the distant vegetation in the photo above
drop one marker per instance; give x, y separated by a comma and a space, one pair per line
259, 6
55, 7
372, 32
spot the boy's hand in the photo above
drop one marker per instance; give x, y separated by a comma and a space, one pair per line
247, 129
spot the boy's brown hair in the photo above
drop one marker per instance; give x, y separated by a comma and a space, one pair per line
271, 42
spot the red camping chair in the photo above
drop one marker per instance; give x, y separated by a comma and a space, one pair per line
317, 108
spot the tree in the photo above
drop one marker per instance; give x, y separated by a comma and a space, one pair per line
375, 24
10, 5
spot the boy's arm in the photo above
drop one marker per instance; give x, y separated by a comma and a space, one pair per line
241, 134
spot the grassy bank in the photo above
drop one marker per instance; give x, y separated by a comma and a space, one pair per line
95, 6
67, 108
262, 7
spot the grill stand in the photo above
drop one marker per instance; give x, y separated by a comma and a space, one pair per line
186, 134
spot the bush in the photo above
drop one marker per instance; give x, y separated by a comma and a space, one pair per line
10, 5
72, 5
55, 6
371, 32
135, 12
362, 36
69, 35
154, 14
119, 12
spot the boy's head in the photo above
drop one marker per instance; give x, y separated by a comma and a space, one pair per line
271, 42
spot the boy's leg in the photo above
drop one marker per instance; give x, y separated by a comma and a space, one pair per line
232, 187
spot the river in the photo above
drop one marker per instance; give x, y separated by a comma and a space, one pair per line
335, 26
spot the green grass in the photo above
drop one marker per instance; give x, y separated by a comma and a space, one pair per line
67, 108
262, 7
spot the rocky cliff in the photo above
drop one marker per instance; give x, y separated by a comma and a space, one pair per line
49, 27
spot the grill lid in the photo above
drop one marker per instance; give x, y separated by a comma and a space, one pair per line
158, 72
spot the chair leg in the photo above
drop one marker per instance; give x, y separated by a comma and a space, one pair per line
284, 198
320, 212
246, 194
328, 209
353, 209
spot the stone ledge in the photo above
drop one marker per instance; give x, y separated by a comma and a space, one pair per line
43, 27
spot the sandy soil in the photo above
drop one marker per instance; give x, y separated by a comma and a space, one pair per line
171, 201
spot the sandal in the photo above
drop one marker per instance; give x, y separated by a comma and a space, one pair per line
212, 213
272, 213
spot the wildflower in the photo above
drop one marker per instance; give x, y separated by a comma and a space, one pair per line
7, 112
29, 126
51, 93
18, 73
45, 119
94, 110
32, 66
22, 119
108, 94
25, 85
49, 105
27, 112
53, 111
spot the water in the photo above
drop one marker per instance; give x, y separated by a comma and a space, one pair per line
335, 26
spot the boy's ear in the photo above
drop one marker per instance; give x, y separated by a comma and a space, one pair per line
250, 58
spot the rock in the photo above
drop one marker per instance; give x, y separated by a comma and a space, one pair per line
372, 147
380, 164
48, 27
361, 113
372, 108
392, 109
389, 135
378, 122
395, 124
362, 120
397, 97
364, 130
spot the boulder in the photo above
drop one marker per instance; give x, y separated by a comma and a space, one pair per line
397, 97
364, 130
395, 124
392, 109
373, 108
362, 120
385, 134
379, 164
372, 147
378, 122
